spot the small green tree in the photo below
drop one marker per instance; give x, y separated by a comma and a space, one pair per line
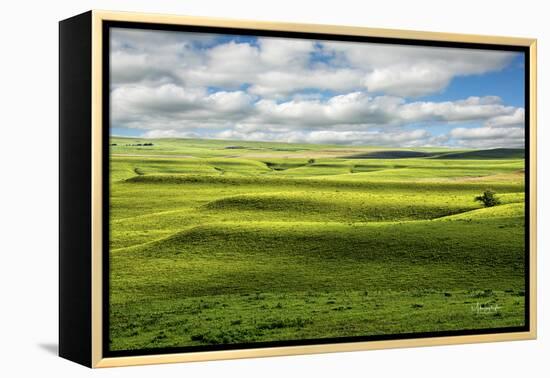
488, 198
311, 161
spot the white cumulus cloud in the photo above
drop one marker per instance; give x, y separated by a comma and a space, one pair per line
174, 84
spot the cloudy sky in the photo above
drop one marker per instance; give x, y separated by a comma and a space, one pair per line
178, 84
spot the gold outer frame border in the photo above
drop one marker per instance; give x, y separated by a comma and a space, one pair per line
97, 254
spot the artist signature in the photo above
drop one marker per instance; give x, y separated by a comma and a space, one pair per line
479, 308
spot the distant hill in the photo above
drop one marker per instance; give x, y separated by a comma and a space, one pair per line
495, 153
393, 154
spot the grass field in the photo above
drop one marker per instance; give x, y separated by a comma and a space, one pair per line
219, 242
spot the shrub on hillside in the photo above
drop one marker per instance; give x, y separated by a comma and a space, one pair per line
488, 198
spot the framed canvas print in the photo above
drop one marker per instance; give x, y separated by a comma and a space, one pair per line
235, 189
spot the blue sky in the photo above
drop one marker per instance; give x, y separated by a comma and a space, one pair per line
508, 84
178, 84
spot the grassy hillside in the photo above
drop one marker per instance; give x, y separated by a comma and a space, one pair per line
217, 242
